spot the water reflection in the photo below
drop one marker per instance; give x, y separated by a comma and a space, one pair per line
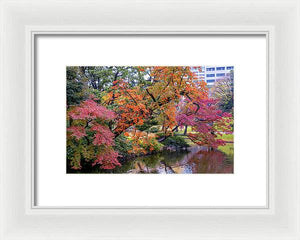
195, 160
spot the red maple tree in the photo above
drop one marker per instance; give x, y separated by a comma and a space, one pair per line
89, 136
207, 121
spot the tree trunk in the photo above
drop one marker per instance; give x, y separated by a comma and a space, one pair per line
185, 130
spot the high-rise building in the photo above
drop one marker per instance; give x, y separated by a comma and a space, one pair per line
210, 74
199, 72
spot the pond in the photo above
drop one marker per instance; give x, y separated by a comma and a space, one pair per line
193, 160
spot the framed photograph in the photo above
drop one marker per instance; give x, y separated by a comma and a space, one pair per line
150, 120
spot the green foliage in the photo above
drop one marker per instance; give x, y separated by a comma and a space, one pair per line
154, 129
84, 80
102, 78
75, 87
160, 134
123, 146
176, 141
71, 73
74, 92
149, 125
227, 105
223, 91
152, 145
76, 156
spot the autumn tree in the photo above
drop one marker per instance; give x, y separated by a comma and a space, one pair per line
89, 139
155, 97
171, 84
207, 121
128, 103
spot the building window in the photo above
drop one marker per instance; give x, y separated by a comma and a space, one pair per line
210, 69
210, 75
220, 68
230, 68
220, 74
210, 81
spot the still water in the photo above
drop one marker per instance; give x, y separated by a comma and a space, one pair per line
195, 160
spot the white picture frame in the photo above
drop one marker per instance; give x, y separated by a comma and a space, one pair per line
218, 190
22, 20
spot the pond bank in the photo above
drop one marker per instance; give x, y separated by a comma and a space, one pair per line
194, 159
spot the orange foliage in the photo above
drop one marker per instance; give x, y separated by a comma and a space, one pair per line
142, 142
157, 98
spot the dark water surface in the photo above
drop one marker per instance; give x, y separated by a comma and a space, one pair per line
195, 160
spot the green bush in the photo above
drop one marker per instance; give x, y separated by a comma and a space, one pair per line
154, 129
147, 125
122, 145
152, 146
160, 134
176, 141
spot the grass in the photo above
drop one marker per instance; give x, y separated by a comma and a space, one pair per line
181, 131
228, 149
227, 137
188, 141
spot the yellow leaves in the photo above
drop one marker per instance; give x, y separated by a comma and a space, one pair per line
106, 97
121, 101
88, 152
141, 142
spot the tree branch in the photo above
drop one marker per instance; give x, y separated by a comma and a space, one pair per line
153, 98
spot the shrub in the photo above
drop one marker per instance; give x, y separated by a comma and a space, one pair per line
122, 145
176, 141
154, 129
152, 145
147, 125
